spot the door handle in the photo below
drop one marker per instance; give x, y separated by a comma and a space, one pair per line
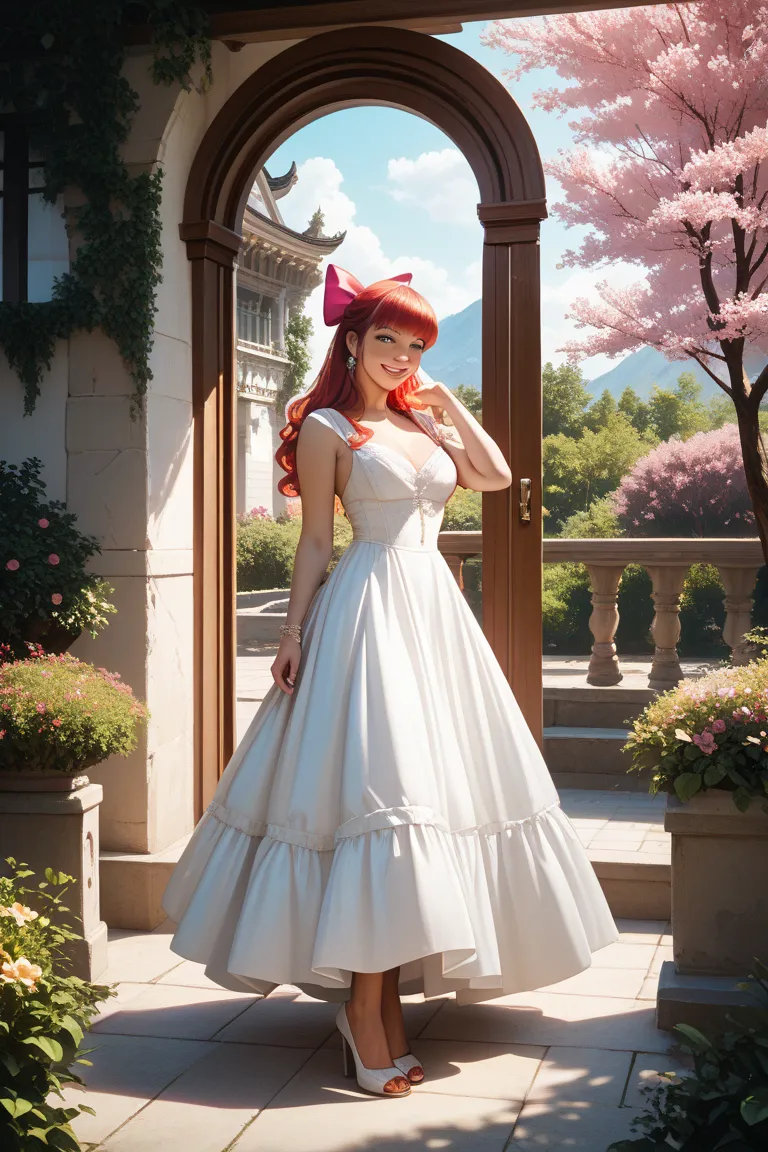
525, 500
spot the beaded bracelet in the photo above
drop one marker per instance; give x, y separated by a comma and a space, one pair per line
293, 630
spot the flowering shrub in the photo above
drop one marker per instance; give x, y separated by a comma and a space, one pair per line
693, 487
58, 714
43, 1013
708, 733
45, 592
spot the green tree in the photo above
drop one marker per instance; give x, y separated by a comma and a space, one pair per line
579, 471
471, 398
565, 399
636, 411
599, 414
298, 331
678, 411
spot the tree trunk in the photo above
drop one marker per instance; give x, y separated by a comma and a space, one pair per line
754, 466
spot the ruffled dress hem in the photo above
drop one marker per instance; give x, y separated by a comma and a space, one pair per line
482, 912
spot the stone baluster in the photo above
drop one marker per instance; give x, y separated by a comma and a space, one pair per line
739, 584
604, 580
668, 581
456, 565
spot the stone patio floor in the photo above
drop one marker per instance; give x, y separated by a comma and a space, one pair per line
180, 1063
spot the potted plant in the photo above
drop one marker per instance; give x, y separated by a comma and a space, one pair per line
46, 594
60, 716
706, 744
44, 1012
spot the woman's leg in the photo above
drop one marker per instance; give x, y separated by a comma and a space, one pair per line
364, 1016
392, 1018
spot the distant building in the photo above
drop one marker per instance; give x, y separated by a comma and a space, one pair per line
277, 270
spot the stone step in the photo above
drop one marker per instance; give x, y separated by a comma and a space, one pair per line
588, 707
591, 758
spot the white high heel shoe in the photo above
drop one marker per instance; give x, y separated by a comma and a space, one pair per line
406, 1064
370, 1079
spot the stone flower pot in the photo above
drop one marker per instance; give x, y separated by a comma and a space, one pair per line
32, 780
719, 906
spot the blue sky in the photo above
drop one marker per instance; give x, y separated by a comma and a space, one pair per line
407, 199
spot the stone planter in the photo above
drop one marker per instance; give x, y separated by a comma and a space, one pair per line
719, 907
41, 781
59, 829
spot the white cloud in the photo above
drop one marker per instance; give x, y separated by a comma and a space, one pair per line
361, 251
442, 183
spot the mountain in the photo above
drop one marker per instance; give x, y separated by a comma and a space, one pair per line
457, 359
457, 356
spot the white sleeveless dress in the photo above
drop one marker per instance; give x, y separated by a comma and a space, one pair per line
395, 810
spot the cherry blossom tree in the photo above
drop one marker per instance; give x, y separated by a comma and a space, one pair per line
669, 173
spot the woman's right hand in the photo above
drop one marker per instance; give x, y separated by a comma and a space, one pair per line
286, 664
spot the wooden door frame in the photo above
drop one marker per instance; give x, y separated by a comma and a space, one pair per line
417, 73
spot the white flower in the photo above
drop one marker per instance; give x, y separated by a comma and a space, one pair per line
21, 914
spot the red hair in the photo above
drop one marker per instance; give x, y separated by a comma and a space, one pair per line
383, 304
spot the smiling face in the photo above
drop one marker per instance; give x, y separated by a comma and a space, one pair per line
387, 356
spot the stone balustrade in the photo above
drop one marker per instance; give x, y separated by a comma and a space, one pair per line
667, 562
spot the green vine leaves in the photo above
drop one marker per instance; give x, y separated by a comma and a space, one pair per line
61, 72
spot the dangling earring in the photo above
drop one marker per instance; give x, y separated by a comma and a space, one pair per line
351, 363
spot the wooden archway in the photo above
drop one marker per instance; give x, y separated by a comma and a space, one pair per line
426, 76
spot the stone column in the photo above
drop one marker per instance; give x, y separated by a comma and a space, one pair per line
668, 581
739, 584
604, 582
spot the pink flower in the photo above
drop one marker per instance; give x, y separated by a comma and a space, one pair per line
53, 559
57, 723
12, 565
43, 523
718, 726
705, 741
56, 598
41, 707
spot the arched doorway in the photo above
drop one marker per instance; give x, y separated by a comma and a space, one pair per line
431, 79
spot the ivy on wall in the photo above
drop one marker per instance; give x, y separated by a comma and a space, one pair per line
61, 65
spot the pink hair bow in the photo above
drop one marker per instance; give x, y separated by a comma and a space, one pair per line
341, 288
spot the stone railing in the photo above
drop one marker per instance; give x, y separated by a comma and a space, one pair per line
667, 563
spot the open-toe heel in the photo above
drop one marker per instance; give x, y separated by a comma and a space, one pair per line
373, 1080
408, 1064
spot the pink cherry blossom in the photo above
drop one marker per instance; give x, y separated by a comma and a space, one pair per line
53, 559
12, 565
42, 523
56, 597
670, 171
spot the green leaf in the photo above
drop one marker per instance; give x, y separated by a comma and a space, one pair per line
10, 1063
713, 774
52, 1049
70, 1025
755, 1108
15, 1105
697, 1040
687, 784
742, 799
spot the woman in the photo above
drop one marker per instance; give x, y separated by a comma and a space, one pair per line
387, 824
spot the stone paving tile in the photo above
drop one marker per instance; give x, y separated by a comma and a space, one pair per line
209, 1104
581, 1075
548, 1018
321, 1111
624, 954
190, 974
127, 1072
138, 956
465, 1068
663, 953
182, 1013
285, 1018
579, 1128
641, 931
624, 983
646, 1070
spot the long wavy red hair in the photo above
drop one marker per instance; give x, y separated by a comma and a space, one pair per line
384, 304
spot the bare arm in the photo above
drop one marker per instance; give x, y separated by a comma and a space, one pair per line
479, 461
316, 451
